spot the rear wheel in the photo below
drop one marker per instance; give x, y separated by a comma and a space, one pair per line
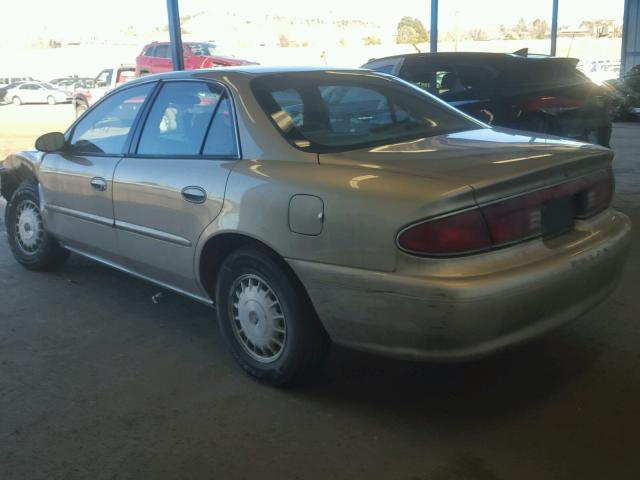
266, 319
51, 100
31, 245
16, 101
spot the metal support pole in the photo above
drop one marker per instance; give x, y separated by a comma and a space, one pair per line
554, 27
433, 42
175, 35
625, 40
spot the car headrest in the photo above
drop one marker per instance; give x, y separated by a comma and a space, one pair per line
448, 81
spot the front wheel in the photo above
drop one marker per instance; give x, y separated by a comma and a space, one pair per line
31, 245
17, 101
51, 100
80, 109
266, 318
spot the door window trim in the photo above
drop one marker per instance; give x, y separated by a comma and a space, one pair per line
132, 147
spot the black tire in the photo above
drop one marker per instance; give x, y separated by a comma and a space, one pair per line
81, 108
44, 253
304, 341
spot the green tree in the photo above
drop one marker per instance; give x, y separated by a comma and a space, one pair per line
372, 40
411, 30
540, 28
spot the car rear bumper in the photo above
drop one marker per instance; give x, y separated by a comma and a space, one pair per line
457, 309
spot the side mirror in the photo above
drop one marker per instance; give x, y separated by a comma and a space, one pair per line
50, 142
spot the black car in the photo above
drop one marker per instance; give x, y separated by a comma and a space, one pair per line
526, 92
627, 94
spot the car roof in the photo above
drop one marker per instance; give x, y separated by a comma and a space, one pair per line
476, 56
243, 70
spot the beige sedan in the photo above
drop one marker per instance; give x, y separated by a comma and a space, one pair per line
310, 206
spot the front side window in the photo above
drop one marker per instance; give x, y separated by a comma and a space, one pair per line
182, 123
104, 78
204, 49
324, 111
104, 129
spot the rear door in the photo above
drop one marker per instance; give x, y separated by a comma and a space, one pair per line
28, 93
171, 186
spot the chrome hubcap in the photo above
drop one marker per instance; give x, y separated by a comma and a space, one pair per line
29, 227
258, 320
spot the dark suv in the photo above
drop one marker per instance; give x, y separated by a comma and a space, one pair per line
521, 91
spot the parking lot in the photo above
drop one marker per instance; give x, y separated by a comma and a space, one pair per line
99, 381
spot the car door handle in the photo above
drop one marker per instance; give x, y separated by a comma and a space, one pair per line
99, 183
194, 194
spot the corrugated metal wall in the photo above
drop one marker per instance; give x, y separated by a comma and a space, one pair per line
631, 35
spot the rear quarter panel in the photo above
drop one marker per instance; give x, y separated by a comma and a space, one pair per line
363, 210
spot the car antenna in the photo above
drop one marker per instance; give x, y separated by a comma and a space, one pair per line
416, 47
523, 52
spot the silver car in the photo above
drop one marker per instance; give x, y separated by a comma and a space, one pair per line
37, 92
310, 206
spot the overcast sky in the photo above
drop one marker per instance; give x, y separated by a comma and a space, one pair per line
52, 17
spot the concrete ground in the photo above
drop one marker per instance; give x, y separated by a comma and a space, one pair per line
98, 382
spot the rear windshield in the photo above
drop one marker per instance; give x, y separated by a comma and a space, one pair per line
328, 112
545, 72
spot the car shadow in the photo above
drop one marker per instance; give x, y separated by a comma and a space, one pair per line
455, 396
464, 394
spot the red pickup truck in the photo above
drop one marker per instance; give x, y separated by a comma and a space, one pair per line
156, 57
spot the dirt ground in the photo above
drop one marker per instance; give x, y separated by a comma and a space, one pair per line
20, 126
98, 382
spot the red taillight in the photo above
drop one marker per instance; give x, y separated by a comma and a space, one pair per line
454, 234
507, 221
551, 105
514, 219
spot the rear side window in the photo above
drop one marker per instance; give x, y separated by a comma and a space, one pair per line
385, 68
182, 117
104, 128
221, 139
162, 51
477, 78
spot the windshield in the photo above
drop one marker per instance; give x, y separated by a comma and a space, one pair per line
338, 111
204, 49
48, 86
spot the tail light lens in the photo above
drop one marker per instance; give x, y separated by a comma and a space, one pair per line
596, 196
507, 221
551, 105
454, 234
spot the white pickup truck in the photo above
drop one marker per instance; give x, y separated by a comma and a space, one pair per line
107, 80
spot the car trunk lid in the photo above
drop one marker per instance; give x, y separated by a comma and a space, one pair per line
496, 163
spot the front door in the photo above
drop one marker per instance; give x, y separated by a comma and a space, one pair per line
77, 183
172, 187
